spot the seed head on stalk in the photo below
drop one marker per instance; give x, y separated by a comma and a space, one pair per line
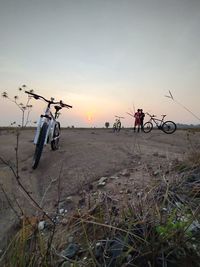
180, 104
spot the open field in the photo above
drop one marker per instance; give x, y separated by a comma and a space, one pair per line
85, 155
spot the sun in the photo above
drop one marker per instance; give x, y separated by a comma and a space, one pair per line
89, 117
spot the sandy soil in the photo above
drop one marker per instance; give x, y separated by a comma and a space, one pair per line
85, 155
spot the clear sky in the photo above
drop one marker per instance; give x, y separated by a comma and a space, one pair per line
101, 56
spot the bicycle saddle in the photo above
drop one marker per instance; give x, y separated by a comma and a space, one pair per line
57, 108
164, 115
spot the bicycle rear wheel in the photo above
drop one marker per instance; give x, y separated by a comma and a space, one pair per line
56, 137
39, 145
147, 127
169, 127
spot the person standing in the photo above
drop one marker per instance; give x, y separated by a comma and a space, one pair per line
137, 120
142, 115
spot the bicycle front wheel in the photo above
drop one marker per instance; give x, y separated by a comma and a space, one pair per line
39, 145
119, 127
114, 127
169, 127
147, 127
56, 137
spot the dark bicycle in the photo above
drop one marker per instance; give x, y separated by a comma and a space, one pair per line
167, 127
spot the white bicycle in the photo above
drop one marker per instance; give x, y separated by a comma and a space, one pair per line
48, 128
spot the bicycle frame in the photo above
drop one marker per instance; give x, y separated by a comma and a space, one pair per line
153, 119
51, 121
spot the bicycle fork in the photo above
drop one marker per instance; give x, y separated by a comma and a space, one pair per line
39, 127
39, 124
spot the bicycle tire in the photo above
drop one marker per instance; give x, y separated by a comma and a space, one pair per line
169, 127
39, 145
147, 127
56, 134
119, 126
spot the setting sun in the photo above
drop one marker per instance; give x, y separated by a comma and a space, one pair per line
90, 117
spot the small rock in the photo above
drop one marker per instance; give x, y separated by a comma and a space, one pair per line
102, 179
128, 191
70, 239
56, 219
61, 211
70, 251
164, 209
195, 226
102, 184
125, 173
64, 221
41, 225
69, 199
129, 257
121, 191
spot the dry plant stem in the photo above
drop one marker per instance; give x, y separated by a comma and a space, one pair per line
57, 211
21, 186
114, 228
197, 211
9, 201
68, 259
29, 110
46, 191
7, 249
22, 213
16, 154
95, 263
21, 108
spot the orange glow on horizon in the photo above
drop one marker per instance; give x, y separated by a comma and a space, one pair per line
90, 117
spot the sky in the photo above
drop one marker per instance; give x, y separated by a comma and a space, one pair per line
103, 57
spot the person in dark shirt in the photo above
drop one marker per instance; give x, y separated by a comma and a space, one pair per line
137, 120
142, 115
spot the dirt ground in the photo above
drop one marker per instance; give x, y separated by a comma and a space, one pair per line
85, 156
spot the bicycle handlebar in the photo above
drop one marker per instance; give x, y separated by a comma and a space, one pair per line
150, 115
63, 105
